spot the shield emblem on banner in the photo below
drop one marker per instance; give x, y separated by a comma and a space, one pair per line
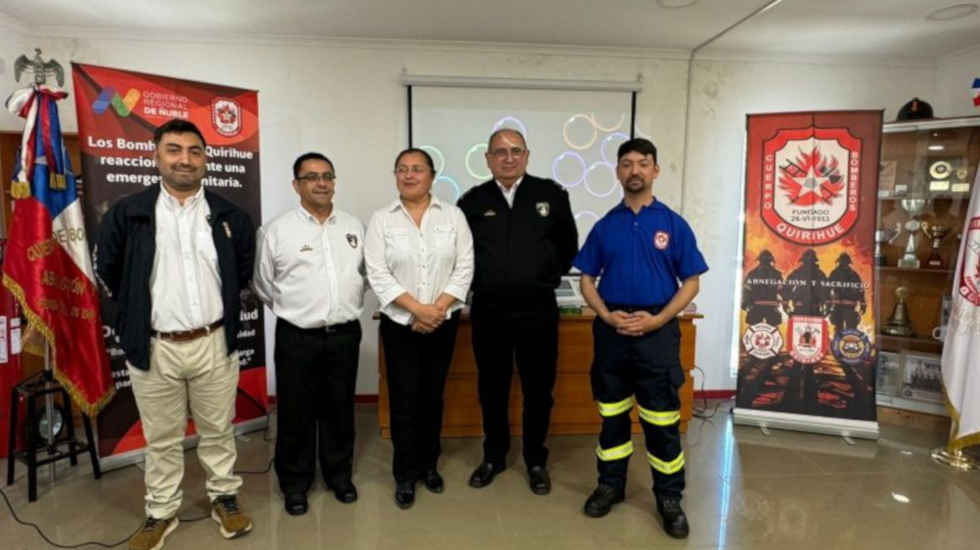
970, 265
808, 339
226, 116
811, 184
762, 341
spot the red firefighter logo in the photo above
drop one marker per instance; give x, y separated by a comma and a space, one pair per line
811, 178
226, 116
811, 184
970, 265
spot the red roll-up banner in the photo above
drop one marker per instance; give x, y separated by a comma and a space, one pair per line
807, 321
118, 111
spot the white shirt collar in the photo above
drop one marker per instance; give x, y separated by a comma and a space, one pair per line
173, 203
513, 188
398, 205
305, 214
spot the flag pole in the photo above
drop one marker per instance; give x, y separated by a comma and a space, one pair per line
49, 404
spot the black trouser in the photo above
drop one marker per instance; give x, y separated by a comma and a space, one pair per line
417, 367
649, 367
503, 330
316, 370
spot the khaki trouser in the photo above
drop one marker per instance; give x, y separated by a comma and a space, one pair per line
201, 374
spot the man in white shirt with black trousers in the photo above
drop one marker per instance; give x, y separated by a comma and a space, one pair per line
309, 270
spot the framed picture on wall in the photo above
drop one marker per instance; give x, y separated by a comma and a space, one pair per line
922, 379
889, 374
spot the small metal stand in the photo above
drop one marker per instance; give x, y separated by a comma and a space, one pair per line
44, 384
954, 458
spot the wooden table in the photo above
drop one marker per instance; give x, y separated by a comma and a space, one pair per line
574, 412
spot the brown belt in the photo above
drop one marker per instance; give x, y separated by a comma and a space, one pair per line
193, 334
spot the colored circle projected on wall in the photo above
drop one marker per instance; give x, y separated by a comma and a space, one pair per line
613, 128
517, 125
437, 157
479, 176
567, 128
445, 187
615, 139
559, 166
598, 171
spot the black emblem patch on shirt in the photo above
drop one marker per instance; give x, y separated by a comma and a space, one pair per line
543, 209
352, 240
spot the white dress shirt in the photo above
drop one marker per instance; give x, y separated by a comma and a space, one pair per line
425, 261
185, 284
311, 274
509, 193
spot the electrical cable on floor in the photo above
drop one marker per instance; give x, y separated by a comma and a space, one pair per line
37, 528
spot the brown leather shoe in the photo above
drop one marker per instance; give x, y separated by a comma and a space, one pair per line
231, 521
153, 534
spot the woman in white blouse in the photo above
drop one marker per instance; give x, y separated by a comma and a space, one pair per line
419, 256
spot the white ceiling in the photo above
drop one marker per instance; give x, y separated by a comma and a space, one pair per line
806, 27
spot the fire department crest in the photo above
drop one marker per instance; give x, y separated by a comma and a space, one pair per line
808, 338
226, 116
810, 184
661, 239
851, 347
762, 341
352, 240
970, 264
543, 209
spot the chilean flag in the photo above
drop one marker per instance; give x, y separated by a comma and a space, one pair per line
47, 266
976, 92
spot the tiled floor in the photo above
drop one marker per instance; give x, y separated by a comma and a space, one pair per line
745, 491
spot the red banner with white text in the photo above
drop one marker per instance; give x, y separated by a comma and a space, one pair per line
118, 111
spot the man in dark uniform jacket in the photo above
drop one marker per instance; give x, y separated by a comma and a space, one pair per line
524, 240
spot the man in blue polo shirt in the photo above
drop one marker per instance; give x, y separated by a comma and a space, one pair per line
650, 265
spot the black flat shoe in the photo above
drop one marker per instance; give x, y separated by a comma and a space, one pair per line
345, 492
296, 504
484, 474
538, 480
405, 494
433, 481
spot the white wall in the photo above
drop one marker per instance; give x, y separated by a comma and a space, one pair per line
956, 72
343, 98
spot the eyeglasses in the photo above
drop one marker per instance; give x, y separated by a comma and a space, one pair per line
313, 177
502, 152
417, 169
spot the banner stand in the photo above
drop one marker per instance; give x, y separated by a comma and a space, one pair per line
843, 427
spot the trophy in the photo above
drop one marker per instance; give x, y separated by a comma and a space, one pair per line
937, 233
913, 207
898, 324
883, 236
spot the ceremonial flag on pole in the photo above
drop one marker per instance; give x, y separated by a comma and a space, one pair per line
976, 92
47, 265
961, 350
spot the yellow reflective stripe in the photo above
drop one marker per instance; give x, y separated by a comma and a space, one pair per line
671, 467
612, 409
660, 418
615, 453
